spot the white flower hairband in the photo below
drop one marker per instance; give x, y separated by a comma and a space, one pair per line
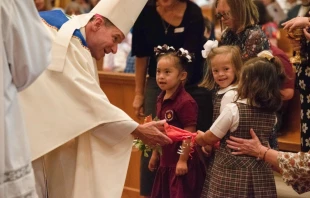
208, 46
185, 54
181, 52
266, 54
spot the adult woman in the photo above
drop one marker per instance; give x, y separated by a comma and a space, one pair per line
269, 27
240, 17
177, 23
294, 167
303, 76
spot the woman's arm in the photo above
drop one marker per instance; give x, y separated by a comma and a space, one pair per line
140, 78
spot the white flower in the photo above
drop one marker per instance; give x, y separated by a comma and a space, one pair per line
208, 46
308, 114
301, 114
304, 127
298, 71
302, 84
308, 142
307, 71
301, 98
308, 98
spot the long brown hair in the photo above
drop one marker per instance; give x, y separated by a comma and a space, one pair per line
260, 83
233, 51
243, 11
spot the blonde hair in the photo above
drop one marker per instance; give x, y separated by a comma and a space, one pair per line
244, 12
208, 82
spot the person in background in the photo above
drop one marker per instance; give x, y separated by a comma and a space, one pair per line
257, 100
294, 167
274, 10
269, 27
177, 23
288, 4
209, 33
298, 10
24, 54
287, 92
240, 17
70, 122
84, 4
73, 8
302, 77
43, 5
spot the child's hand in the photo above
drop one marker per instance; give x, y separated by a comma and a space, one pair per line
199, 138
207, 150
153, 163
181, 168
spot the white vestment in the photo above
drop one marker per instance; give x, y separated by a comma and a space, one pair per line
80, 142
24, 50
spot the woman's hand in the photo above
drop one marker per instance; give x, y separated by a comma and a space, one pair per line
181, 168
245, 146
297, 22
138, 105
306, 33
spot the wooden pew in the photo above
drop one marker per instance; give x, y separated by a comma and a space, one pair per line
119, 88
290, 140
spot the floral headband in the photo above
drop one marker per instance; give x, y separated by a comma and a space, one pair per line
266, 54
208, 46
182, 53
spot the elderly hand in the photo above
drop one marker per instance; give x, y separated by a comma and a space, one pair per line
152, 133
245, 146
297, 22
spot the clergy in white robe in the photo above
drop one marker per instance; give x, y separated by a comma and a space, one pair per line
24, 49
80, 142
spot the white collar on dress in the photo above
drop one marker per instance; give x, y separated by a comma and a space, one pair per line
243, 101
224, 90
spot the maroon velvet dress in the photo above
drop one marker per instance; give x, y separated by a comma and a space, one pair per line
179, 110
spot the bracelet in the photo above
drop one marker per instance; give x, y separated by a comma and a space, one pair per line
258, 158
265, 154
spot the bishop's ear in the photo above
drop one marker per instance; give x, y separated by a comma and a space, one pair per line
97, 23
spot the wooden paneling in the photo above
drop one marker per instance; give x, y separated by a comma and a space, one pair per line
119, 88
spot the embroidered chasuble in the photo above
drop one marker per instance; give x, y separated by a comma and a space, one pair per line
80, 142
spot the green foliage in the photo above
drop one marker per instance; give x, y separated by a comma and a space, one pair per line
145, 148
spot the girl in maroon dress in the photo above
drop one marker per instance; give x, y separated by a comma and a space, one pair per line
178, 175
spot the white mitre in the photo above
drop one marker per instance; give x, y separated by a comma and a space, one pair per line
122, 13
